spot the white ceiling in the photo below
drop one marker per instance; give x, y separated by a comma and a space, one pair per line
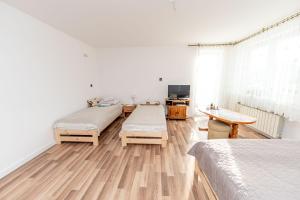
118, 23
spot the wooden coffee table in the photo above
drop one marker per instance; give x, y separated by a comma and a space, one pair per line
234, 119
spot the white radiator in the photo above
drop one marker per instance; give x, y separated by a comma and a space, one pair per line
267, 123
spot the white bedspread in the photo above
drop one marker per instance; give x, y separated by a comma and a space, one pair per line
146, 118
251, 169
94, 118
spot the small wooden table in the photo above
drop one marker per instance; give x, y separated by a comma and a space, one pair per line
229, 117
128, 108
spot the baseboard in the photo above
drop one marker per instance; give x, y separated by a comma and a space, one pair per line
21, 162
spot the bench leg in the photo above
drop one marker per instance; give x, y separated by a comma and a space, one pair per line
124, 143
57, 137
95, 140
163, 143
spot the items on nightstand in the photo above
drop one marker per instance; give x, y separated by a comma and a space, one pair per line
133, 99
213, 107
128, 108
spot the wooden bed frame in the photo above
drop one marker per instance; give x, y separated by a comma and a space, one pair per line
135, 137
205, 182
62, 135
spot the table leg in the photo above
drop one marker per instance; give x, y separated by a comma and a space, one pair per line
234, 131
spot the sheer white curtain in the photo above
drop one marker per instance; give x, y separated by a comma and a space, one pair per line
208, 76
266, 71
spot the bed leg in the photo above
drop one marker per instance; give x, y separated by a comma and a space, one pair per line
163, 143
124, 143
57, 136
95, 139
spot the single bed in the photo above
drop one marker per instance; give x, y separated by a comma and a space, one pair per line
249, 169
146, 125
87, 124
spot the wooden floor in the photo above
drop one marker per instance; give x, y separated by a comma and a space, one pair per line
82, 171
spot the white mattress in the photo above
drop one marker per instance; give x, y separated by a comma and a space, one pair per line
251, 169
94, 118
146, 118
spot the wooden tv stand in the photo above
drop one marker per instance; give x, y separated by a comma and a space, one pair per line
177, 108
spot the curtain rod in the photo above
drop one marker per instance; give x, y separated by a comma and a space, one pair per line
264, 29
211, 44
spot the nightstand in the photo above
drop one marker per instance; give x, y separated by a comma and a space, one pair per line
128, 108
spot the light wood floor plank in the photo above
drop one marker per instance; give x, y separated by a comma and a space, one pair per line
108, 171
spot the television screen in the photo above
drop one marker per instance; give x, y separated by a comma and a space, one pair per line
179, 91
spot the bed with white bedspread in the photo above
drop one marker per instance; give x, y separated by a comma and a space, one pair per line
250, 169
86, 124
146, 125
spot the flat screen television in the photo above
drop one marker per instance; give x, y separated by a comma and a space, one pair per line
178, 91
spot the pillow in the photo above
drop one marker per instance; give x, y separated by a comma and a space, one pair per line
109, 100
115, 102
104, 105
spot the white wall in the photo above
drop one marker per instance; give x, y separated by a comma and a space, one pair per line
43, 77
136, 71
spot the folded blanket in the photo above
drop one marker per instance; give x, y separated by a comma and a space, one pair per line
104, 104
